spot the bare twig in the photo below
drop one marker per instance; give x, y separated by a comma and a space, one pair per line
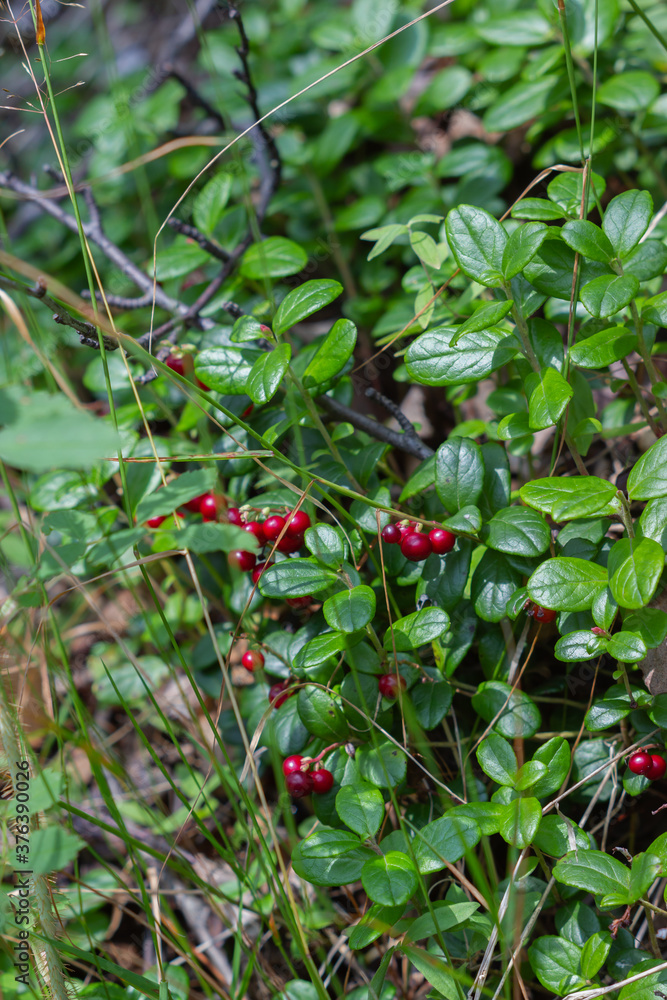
397, 413
86, 331
404, 442
211, 247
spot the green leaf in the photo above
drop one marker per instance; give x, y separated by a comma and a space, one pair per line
650, 624
626, 219
555, 962
179, 259
648, 477
519, 821
634, 568
441, 357
654, 310
384, 237
52, 848
426, 248
517, 714
330, 857
485, 814
469, 518
548, 400
295, 578
326, 544
497, 759
520, 103
514, 27
521, 247
210, 203
586, 238
530, 774
361, 807
459, 473
493, 583
431, 702
224, 369
607, 711
186, 487
571, 497
445, 839
566, 584
417, 629
627, 647
580, 645
447, 88
350, 610
606, 296
477, 241
594, 953
304, 301
603, 348
212, 538
319, 649
332, 354
594, 872
321, 714
645, 870
435, 971
274, 257
632, 91
550, 271
648, 260
50, 432
389, 880
518, 531
488, 314
445, 917
557, 835
376, 921
383, 766
537, 209
267, 373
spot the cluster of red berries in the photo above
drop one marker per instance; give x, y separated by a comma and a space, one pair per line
266, 532
650, 765
416, 545
540, 614
208, 505
300, 780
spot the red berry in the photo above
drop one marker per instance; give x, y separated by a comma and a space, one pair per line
176, 363
299, 783
407, 529
544, 615
244, 560
234, 516
641, 762
657, 768
201, 385
248, 410
596, 630
290, 544
299, 602
278, 693
155, 522
416, 547
322, 781
252, 659
443, 541
389, 684
297, 523
258, 570
292, 764
391, 534
208, 507
273, 526
193, 504
256, 529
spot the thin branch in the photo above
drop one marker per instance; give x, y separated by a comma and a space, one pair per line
403, 442
204, 242
87, 332
121, 301
396, 412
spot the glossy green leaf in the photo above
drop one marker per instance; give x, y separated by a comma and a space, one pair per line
646, 261
603, 348
580, 645
513, 713
332, 354
295, 578
304, 301
441, 357
350, 610
557, 835
626, 219
536, 209
497, 759
648, 477
566, 584
634, 567
416, 630
445, 839
654, 310
548, 399
629, 92
445, 917
586, 238
459, 473
376, 921
488, 314
555, 962
274, 257
523, 101
327, 544
361, 807
211, 201
477, 241
390, 879
330, 857
571, 497
267, 373
519, 821
518, 531
594, 953
321, 714
384, 765
224, 369
608, 294
594, 872
521, 247
551, 269
493, 583
626, 647
426, 248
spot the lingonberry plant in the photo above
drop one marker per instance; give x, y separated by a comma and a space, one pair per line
439, 755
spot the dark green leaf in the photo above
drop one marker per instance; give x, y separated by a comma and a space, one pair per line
603, 348
391, 879
361, 807
224, 369
432, 360
303, 301
295, 578
519, 821
648, 478
497, 759
493, 583
332, 354
566, 584
477, 241
518, 531
571, 497
321, 714
459, 473
548, 399
634, 568
555, 962
580, 645
523, 101
445, 839
517, 714
416, 630
555, 754
594, 872
522, 246
630, 92
626, 219
586, 238
383, 766
274, 257
330, 857
267, 373
350, 610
